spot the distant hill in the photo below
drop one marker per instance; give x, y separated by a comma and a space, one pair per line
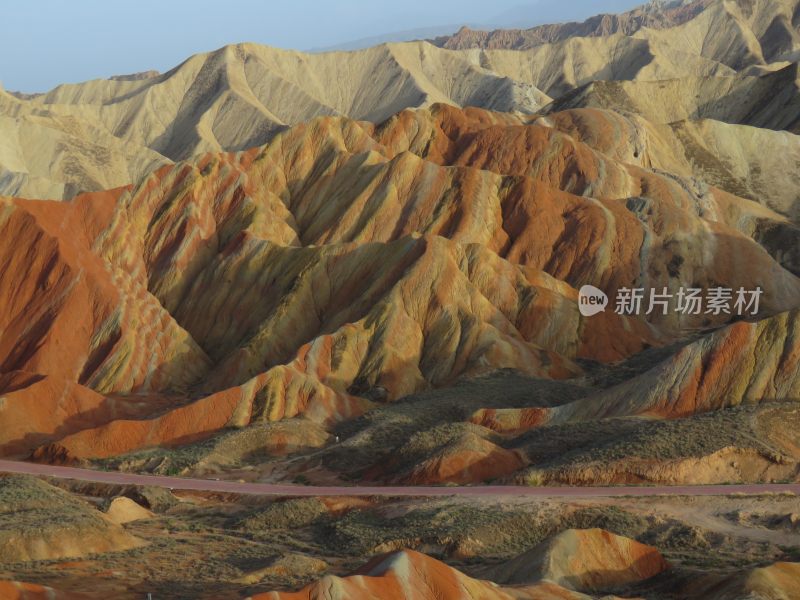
409, 35
654, 15
104, 133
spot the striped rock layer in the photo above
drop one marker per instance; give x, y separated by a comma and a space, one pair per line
410, 575
347, 263
744, 363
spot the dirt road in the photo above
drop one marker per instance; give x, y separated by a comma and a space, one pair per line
268, 489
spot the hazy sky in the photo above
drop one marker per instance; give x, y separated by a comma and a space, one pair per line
47, 42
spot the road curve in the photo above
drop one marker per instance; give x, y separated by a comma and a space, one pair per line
269, 489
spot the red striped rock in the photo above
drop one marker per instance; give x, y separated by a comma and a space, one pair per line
409, 575
343, 257
471, 459
744, 363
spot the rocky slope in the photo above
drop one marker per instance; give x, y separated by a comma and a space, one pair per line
744, 363
226, 546
727, 156
474, 230
102, 134
594, 561
414, 576
704, 59
767, 100
773, 580
408, 574
48, 154
368, 255
653, 15
590, 560
28, 531
365, 267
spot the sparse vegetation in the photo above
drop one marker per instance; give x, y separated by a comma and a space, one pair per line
286, 514
200, 547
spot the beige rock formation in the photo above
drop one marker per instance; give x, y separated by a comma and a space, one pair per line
730, 61
767, 100
124, 510
736, 33
584, 560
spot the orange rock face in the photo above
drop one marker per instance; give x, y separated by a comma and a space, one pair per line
585, 560
14, 590
779, 580
575, 560
409, 575
509, 420
345, 264
740, 364
744, 363
471, 460
58, 401
72, 313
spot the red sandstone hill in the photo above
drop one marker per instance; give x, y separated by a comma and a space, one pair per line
344, 257
572, 565
599, 558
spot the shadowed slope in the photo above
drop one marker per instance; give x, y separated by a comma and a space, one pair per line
735, 33
769, 100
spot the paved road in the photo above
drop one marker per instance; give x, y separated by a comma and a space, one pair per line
268, 489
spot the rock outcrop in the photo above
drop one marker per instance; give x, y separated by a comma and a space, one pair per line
589, 560
124, 510
411, 575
